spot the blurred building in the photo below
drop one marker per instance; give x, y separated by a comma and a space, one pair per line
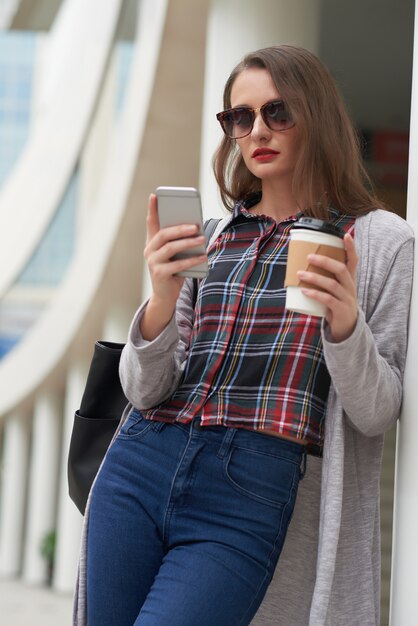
100, 102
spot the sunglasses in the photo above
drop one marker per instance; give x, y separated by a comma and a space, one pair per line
239, 121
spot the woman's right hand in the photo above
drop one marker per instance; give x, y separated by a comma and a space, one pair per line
161, 245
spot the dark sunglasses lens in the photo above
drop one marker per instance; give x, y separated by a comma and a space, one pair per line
237, 122
276, 116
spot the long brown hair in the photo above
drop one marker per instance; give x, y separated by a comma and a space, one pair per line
329, 170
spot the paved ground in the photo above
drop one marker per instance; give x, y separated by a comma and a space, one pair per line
24, 605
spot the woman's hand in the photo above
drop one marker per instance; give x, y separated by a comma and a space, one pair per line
161, 245
340, 293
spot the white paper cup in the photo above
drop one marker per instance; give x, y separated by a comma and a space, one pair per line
304, 241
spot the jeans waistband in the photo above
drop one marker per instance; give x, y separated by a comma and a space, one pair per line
225, 436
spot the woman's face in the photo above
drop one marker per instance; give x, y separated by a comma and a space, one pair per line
270, 155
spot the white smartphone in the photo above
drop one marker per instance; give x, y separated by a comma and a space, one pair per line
181, 205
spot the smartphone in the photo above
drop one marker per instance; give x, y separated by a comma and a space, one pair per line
181, 205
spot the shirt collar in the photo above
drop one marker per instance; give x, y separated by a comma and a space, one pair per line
242, 207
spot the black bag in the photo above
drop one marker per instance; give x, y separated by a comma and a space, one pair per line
96, 420
100, 411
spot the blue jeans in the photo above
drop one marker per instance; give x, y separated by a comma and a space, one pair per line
187, 524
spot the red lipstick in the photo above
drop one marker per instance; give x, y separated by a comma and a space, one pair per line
264, 155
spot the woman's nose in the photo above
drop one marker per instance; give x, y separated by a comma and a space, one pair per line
260, 128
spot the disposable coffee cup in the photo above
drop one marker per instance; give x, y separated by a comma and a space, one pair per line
310, 236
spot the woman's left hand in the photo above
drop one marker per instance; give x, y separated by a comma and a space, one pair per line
340, 293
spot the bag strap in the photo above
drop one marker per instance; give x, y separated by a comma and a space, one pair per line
209, 229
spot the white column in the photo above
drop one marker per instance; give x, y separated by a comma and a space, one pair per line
404, 605
69, 522
13, 493
43, 481
236, 27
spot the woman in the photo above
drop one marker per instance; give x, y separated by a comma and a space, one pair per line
189, 513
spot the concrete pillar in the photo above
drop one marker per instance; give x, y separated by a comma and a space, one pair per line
404, 607
13, 493
69, 522
236, 27
43, 481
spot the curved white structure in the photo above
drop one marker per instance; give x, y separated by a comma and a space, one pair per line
99, 291
82, 299
50, 339
73, 75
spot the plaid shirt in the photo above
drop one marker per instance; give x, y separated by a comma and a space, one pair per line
253, 364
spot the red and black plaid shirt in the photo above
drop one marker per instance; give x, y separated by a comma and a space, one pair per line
253, 364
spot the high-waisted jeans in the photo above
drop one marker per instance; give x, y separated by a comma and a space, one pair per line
187, 523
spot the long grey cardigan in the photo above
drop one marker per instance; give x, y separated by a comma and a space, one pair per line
329, 571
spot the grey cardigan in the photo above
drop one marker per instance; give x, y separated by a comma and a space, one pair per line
329, 571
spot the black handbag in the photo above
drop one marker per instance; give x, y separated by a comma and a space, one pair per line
100, 411
96, 420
